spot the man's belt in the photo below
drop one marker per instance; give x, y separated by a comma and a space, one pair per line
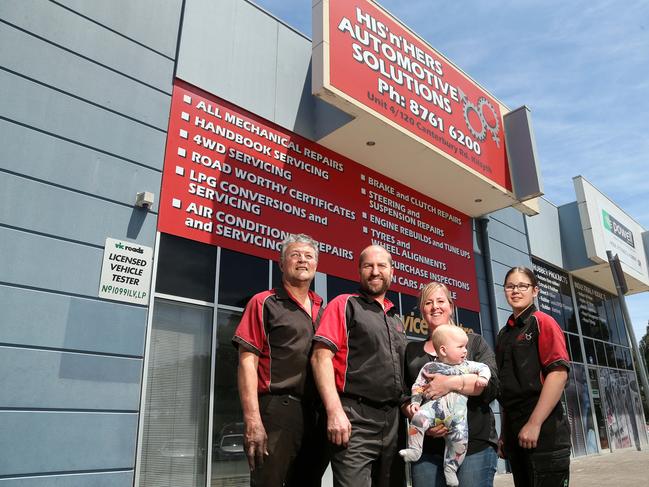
384, 405
285, 397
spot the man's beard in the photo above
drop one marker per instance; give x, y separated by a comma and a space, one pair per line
377, 291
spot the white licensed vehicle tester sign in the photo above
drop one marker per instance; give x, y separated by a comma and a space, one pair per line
126, 272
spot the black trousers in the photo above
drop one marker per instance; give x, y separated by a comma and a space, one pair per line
367, 460
547, 465
540, 469
296, 443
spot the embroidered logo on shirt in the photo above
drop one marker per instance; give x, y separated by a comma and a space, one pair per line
524, 336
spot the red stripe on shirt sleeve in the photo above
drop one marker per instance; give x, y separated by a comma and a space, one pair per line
552, 343
332, 330
251, 336
251, 333
332, 333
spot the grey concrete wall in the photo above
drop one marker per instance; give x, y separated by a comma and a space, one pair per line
507, 247
85, 89
573, 244
256, 62
544, 234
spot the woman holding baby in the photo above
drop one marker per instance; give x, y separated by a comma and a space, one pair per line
479, 466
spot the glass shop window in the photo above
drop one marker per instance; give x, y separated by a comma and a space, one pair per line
574, 416
469, 319
581, 381
610, 354
569, 313
627, 359
175, 417
555, 297
186, 268
589, 346
575, 348
409, 304
619, 357
612, 322
240, 277
601, 353
597, 404
603, 328
337, 286
592, 314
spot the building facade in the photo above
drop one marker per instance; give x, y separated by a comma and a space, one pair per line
113, 378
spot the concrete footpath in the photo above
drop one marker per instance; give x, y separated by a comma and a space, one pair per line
627, 468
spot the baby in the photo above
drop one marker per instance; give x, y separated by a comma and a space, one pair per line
450, 344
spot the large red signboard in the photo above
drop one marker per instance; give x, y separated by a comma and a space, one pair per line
235, 180
388, 70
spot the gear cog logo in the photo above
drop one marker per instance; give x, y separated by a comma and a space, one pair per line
479, 110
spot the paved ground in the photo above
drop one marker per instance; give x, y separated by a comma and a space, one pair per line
624, 468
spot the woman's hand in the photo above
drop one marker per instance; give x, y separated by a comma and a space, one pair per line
438, 431
439, 385
529, 435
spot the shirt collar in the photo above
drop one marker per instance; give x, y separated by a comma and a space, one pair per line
282, 293
387, 304
522, 318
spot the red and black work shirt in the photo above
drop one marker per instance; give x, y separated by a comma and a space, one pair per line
528, 348
369, 344
278, 329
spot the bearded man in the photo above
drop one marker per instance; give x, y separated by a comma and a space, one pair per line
357, 362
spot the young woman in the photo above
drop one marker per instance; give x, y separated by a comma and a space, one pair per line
533, 370
436, 307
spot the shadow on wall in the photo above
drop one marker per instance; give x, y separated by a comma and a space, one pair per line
135, 222
315, 118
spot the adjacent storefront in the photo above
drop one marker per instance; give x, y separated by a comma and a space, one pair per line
602, 397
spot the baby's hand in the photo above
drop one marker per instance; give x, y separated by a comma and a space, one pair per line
481, 382
414, 407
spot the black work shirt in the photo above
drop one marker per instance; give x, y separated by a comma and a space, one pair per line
369, 344
528, 348
278, 329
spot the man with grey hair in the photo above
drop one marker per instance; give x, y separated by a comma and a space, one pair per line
282, 440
